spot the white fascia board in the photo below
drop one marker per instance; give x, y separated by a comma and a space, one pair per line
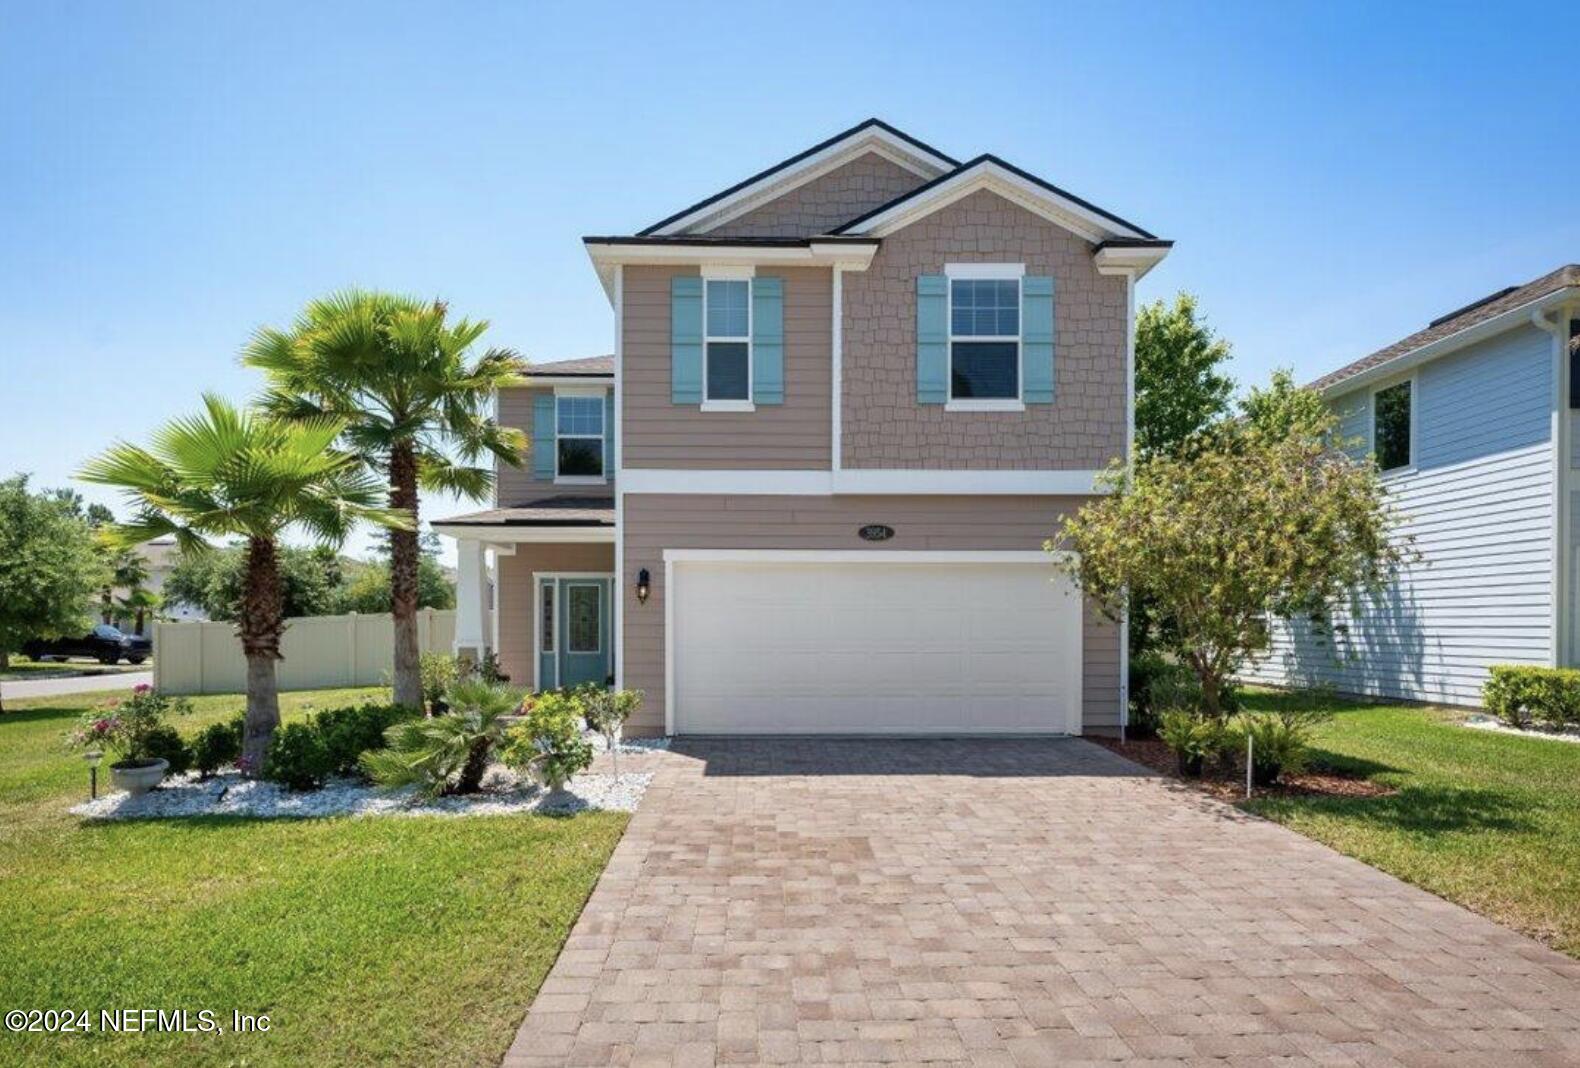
606, 256
563, 382
521, 535
868, 556
1509, 320
1079, 220
859, 480
874, 139
1135, 262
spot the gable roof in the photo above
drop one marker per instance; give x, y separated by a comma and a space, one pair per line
871, 135
1440, 329
584, 367
989, 170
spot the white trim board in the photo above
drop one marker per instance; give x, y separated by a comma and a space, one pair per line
860, 480
522, 535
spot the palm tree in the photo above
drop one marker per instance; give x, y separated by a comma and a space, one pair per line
138, 602
226, 473
417, 407
128, 571
448, 753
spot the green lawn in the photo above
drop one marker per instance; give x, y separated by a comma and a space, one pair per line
388, 941
1488, 820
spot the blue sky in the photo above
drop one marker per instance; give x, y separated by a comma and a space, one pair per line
174, 175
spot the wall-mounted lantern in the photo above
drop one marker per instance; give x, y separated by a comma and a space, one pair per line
644, 586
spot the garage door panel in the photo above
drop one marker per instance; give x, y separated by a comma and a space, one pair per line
873, 647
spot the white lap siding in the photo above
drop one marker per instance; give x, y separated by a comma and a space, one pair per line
1480, 505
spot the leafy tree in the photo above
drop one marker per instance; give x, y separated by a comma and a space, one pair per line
128, 571
1180, 389
1284, 410
1247, 525
367, 590
226, 473
417, 409
49, 568
310, 582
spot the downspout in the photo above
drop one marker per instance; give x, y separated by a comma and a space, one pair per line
1553, 328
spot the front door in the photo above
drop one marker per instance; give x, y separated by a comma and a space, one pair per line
577, 647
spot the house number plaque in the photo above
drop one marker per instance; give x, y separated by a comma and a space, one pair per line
875, 532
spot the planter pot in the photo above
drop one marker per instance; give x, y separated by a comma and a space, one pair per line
138, 777
1190, 766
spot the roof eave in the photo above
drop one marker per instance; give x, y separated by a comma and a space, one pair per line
1478, 331
608, 253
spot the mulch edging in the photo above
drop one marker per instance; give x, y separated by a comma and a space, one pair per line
1152, 753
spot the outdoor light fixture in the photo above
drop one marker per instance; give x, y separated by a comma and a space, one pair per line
644, 586
93, 756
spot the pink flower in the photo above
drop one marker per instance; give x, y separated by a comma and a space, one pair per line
142, 687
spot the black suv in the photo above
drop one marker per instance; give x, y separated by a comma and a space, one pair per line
104, 644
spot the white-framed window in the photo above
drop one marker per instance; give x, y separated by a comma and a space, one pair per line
984, 337
727, 343
1393, 426
578, 437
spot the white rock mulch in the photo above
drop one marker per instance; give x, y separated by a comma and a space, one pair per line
504, 793
1483, 722
628, 745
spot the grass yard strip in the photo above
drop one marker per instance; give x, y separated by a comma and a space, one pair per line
386, 941
1491, 821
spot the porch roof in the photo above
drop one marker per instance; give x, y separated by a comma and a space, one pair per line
547, 512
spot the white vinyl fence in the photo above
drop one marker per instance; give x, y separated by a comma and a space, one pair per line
319, 652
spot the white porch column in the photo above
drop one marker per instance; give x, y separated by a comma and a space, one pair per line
471, 600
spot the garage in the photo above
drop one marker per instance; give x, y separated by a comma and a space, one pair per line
790, 642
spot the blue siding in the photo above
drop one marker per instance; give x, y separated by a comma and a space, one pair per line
1480, 504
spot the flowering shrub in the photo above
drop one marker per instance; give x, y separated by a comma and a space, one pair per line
548, 743
129, 729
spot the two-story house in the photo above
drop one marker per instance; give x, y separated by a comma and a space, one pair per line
849, 400
1472, 423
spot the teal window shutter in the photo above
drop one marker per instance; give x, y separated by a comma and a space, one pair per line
1036, 339
768, 340
543, 435
685, 339
608, 434
932, 339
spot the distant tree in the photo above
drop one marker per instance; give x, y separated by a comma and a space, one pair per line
417, 400
367, 589
214, 582
138, 604
1283, 409
1181, 389
50, 568
127, 571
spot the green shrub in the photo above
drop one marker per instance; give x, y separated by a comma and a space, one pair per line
349, 732
1194, 737
548, 744
216, 746
439, 672
1520, 695
447, 753
297, 758
1280, 741
164, 743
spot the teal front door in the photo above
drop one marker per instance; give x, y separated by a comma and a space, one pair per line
575, 635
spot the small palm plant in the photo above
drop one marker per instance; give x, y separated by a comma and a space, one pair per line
418, 411
448, 753
226, 473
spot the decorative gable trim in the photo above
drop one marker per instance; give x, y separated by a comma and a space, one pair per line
872, 136
1084, 219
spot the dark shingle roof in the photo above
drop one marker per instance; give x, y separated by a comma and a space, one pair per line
1452, 323
547, 512
585, 367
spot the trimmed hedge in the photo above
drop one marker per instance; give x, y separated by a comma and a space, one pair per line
1521, 695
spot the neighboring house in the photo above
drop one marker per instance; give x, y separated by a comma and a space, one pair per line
850, 398
1472, 421
161, 556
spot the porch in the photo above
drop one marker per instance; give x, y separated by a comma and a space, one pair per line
536, 588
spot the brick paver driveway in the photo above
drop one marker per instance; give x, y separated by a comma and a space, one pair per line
1014, 902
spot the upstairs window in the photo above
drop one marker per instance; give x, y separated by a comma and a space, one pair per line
1391, 418
984, 339
727, 346
578, 433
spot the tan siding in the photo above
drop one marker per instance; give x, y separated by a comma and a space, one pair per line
515, 486
795, 434
826, 201
516, 599
655, 522
884, 426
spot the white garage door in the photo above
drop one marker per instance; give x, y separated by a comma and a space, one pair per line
930, 645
